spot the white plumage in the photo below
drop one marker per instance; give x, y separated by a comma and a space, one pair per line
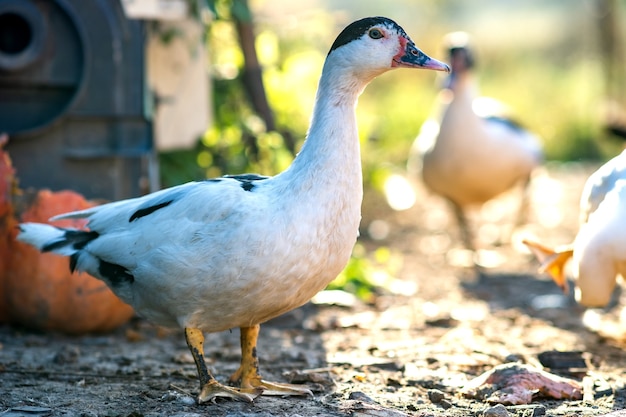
469, 151
239, 250
598, 252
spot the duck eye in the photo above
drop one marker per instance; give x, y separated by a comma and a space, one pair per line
375, 33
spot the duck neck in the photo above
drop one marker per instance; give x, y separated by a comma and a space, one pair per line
330, 156
464, 85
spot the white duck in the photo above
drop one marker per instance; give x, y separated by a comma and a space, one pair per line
239, 250
599, 249
469, 151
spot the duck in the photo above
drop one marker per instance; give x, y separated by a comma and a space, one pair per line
597, 253
239, 250
470, 149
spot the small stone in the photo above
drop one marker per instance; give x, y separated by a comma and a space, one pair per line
411, 407
392, 382
187, 400
514, 357
539, 411
361, 396
169, 396
435, 396
66, 355
445, 404
496, 411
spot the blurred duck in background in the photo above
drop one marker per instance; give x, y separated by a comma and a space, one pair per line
470, 151
599, 249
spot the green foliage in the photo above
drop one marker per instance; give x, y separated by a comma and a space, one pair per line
368, 274
238, 141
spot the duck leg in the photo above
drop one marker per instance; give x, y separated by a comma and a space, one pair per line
248, 373
466, 234
524, 207
467, 237
209, 387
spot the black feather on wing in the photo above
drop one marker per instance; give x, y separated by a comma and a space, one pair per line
247, 180
147, 210
158, 202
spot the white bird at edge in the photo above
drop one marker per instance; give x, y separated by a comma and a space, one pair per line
239, 250
469, 151
598, 252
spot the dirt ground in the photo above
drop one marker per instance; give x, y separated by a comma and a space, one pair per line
407, 353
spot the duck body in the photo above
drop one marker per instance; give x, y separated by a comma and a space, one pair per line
602, 182
470, 150
470, 156
599, 249
291, 249
239, 250
598, 252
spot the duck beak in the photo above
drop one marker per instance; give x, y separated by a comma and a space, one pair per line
413, 57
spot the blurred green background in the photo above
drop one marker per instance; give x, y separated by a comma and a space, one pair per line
549, 61
560, 65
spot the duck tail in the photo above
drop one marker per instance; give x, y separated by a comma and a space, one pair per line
552, 261
47, 238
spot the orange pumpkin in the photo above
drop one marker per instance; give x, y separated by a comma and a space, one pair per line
40, 291
7, 219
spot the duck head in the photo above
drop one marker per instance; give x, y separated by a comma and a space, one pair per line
461, 56
374, 45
